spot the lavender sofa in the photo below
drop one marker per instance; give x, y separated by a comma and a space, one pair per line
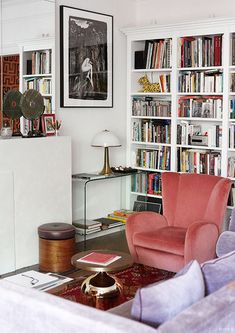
27, 310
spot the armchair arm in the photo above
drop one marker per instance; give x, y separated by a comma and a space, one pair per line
142, 222
200, 241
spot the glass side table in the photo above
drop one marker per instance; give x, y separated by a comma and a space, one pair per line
88, 178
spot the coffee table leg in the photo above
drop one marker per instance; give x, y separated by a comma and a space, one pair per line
101, 285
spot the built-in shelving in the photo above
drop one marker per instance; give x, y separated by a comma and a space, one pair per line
198, 51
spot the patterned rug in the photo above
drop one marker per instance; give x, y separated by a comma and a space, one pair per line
131, 279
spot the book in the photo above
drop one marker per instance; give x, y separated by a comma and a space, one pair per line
61, 280
82, 231
114, 217
32, 279
90, 224
103, 259
108, 223
123, 212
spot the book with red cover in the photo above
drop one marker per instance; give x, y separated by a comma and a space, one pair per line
99, 258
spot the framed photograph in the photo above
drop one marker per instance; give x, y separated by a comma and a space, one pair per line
86, 58
47, 121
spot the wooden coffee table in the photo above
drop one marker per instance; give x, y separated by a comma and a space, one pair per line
101, 284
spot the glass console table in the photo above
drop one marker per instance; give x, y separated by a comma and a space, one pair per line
85, 179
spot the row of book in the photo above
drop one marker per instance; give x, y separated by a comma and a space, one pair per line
43, 85
154, 184
139, 183
232, 108
157, 53
231, 166
233, 49
187, 134
158, 158
200, 107
200, 51
112, 220
199, 161
150, 183
201, 82
150, 107
47, 105
157, 131
232, 82
40, 62
232, 136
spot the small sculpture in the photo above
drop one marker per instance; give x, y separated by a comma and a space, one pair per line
147, 86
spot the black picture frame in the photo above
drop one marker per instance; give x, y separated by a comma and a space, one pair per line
86, 58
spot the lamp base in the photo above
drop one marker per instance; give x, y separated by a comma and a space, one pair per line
106, 168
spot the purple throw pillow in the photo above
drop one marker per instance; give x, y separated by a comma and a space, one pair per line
160, 302
219, 272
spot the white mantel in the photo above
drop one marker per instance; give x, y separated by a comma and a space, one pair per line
35, 188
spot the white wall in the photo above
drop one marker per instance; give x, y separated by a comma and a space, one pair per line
23, 20
170, 11
83, 124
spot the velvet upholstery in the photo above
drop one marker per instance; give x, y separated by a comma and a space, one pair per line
193, 211
159, 302
226, 241
219, 272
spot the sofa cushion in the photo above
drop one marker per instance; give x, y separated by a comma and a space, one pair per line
167, 239
160, 302
225, 243
219, 272
212, 314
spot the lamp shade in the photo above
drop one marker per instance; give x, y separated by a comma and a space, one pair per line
105, 139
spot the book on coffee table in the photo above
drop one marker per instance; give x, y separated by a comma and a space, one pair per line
33, 279
103, 259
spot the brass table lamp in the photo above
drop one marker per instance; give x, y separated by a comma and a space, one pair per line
105, 139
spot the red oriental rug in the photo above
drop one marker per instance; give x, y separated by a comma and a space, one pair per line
131, 279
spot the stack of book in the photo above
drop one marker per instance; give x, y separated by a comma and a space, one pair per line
120, 215
87, 228
115, 219
108, 223
38, 280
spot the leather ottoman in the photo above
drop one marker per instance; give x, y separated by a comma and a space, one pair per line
56, 247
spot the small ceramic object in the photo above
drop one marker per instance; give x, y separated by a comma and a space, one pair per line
6, 132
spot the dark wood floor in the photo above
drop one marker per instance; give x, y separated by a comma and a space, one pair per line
115, 241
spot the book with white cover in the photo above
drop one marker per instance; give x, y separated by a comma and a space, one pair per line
32, 279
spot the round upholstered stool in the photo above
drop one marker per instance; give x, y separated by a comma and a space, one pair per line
56, 247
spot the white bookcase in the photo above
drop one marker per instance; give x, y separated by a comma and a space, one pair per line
41, 75
215, 126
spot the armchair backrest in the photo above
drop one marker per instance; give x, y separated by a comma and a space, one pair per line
191, 197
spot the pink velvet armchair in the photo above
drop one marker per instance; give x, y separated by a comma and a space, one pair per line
193, 211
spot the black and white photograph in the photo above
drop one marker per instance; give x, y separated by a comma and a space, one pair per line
86, 58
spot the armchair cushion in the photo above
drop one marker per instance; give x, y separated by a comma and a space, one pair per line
219, 272
160, 302
167, 239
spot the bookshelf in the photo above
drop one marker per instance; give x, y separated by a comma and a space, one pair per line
37, 70
194, 107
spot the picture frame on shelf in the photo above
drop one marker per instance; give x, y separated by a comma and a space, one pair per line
86, 58
47, 121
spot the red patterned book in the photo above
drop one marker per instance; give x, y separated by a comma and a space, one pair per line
103, 259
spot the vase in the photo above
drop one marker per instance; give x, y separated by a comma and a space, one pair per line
6, 132
57, 133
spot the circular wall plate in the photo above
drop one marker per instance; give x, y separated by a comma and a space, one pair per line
32, 105
11, 104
